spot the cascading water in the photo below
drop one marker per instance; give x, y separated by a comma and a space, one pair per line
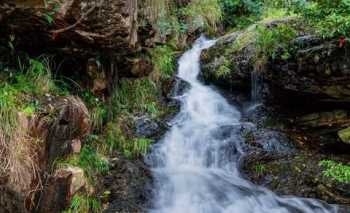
195, 165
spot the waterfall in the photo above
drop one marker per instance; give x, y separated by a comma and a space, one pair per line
195, 166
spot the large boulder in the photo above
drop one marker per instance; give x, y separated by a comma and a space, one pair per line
314, 66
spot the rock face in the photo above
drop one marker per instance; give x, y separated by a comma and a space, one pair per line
315, 67
101, 23
127, 186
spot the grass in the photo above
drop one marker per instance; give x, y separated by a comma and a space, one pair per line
84, 204
260, 169
336, 171
136, 96
130, 147
97, 109
164, 60
89, 160
204, 14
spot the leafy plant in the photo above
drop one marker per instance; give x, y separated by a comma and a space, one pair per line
269, 41
336, 171
240, 12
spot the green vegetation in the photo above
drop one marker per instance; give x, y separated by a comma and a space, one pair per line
130, 147
97, 109
269, 41
84, 204
164, 60
204, 14
89, 160
260, 169
336, 171
19, 91
329, 17
240, 13
136, 96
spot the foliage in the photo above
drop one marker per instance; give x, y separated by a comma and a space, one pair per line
203, 13
260, 169
330, 17
270, 41
136, 96
89, 160
336, 171
97, 109
84, 204
18, 89
240, 12
163, 58
130, 148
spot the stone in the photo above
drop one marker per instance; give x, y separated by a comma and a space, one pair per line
77, 180
75, 146
60, 189
344, 135
146, 127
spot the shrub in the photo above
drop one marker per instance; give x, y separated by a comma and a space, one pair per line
330, 18
269, 41
240, 12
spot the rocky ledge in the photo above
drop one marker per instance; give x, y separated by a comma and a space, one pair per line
303, 83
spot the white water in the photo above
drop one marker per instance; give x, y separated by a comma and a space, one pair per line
195, 165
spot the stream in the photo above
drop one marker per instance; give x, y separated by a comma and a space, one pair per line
196, 164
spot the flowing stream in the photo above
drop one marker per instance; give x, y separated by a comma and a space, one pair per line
195, 165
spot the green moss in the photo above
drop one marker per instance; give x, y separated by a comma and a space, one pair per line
336, 171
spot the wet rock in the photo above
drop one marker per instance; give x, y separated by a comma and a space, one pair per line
298, 174
128, 186
145, 127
